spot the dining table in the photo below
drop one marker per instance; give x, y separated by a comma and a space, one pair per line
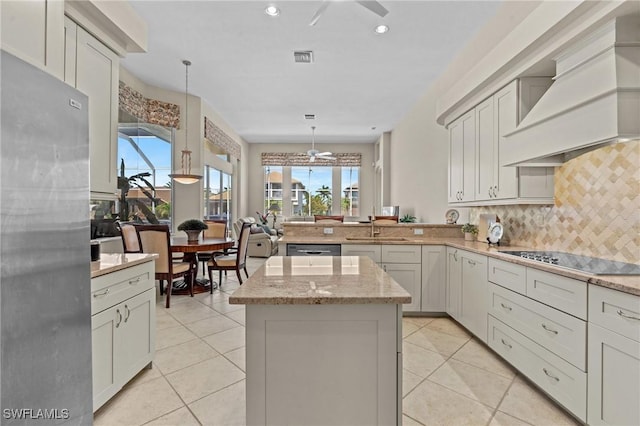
190, 249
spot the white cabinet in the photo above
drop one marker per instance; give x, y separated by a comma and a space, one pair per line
473, 301
434, 278
614, 357
93, 68
404, 264
32, 31
462, 149
454, 283
478, 166
123, 328
372, 251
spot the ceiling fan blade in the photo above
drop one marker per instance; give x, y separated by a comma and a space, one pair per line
312, 159
375, 7
326, 157
324, 154
319, 12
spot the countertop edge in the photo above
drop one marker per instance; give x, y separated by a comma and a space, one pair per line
363, 300
112, 262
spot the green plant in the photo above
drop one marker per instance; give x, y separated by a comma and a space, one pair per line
407, 218
125, 184
192, 225
469, 228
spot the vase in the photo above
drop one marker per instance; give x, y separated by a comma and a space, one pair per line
193, 234
468, 236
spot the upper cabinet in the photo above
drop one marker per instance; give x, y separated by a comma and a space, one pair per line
92, 68
32, 31
476, 144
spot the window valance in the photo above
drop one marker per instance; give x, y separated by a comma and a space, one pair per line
219, 138
148, 110
300, 159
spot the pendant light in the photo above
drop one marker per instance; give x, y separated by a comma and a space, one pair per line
186, 177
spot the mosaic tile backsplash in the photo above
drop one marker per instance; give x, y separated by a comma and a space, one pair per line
596, 211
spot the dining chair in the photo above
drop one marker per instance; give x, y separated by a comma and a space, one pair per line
156, 239
130, 243
328, 219
232, 260
216, 228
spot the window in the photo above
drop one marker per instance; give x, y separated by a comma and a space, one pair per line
312, 186
349, 205
273, 189
144, 148
217, 194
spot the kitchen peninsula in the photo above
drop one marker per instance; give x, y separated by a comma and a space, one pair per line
323, 342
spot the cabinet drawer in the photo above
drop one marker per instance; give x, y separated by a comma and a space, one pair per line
560, 292
374, 252
560, 333
615, 310
110, 289
561, 380
509, 275
401, 254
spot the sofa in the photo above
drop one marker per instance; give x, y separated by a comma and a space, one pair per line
261, 243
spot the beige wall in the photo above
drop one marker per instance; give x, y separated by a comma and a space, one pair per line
596, 211
256, 176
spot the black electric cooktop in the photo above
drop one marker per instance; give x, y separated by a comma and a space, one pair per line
590, 265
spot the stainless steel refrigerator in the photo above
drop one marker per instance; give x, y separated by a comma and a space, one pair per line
45, 310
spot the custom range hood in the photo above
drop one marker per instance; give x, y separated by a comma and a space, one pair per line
594, 100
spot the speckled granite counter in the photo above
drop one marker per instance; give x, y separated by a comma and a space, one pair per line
627, 284
316, 280
111, 262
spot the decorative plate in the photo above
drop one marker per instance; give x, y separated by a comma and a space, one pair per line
452, 216
495, 233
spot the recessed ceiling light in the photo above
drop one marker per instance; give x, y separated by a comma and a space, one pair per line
272, 11
381, 29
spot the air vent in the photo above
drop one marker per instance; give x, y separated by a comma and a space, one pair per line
303, 56
309, 116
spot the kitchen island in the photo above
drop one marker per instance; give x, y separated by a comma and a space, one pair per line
323, 342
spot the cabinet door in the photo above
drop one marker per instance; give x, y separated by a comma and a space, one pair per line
505, 120
434, 272
137, 334
473, 306
454, 283
103, 352
408, 276
469, 156
484, 182
32, 31
613, 379
97, 77
456, 161
372, 251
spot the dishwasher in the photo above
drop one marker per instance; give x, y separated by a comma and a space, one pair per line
314, 250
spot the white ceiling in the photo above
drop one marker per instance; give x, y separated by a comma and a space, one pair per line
360, 85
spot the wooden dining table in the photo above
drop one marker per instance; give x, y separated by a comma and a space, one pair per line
179, 244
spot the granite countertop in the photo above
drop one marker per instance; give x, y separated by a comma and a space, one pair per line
318, 280
111, 262
625, 283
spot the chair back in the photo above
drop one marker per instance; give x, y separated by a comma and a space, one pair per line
215, 229
156, 239
328, 219
385, 220
243, 244
130, 243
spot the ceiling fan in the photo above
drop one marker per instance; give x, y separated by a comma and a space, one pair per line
372, 5
313, 153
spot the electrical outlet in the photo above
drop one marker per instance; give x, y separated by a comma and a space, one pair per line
328, 231
418, 231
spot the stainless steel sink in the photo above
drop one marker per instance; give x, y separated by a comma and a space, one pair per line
376, 239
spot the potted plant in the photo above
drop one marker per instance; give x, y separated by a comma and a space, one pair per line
407, 218
193, 228
470, 231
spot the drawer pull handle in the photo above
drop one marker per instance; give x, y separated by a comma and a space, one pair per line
134, 282
550, 330
508, 308
104, 293
119, 318
471, 262
506, 344
622, 314
550, 375
127, 313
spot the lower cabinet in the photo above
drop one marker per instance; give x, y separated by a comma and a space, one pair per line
453, 293
434, 278
408, 276
614, 358
123, 333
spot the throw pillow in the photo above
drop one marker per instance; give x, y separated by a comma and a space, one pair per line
255, 229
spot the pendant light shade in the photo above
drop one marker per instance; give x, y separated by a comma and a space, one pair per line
186, 177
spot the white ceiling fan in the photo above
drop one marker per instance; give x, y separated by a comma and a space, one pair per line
372, 5
313, 153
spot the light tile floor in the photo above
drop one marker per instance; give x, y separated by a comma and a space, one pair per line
450, 378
